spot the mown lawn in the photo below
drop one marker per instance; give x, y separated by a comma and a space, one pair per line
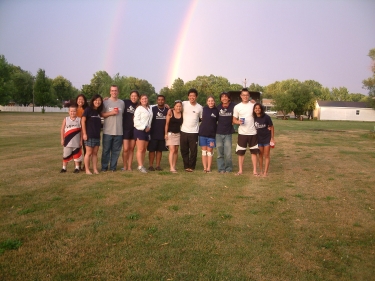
312, 218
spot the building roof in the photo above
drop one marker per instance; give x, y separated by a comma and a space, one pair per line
355, 104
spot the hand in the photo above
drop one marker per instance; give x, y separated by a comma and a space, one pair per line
62, 142
147, 129
84, 137
166, 137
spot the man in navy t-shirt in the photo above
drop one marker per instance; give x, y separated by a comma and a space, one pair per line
156, 145
224, 134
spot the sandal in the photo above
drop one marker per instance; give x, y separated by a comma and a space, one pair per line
173, 171
238, 174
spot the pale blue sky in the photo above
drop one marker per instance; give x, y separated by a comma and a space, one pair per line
262, 41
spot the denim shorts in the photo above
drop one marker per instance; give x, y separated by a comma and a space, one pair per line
263, 144
92, 142
205, 141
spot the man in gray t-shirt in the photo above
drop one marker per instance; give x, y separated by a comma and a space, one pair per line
113, 108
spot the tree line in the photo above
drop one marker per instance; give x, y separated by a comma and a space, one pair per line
291, 95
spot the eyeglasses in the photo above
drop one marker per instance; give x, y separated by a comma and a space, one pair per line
176, 101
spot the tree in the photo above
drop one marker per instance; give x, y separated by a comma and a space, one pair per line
283, 102
340, 94
22, 86
369, 83
63, 89
5, 78
43, 89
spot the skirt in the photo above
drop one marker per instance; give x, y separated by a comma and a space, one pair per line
173, 139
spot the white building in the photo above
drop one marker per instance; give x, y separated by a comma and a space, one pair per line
344, 111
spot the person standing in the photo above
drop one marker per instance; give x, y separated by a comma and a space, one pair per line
91, 126
128, 140
224, 134
207, 133
192, 112
243, 116
113, 108
265, 136
142, 127
172, 133
156, 146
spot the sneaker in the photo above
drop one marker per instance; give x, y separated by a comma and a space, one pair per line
158, 169
63, 171
76, 171
151, 168
142, 170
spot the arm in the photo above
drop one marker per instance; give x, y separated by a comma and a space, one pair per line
83, 125
109, 113
62, 131
168, 118
81, 141
271, 128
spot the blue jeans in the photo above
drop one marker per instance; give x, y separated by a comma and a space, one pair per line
224, 153
111, 151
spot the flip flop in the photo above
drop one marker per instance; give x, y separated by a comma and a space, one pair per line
173, 172
238, 174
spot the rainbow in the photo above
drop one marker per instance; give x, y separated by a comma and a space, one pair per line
179, 49
115, 30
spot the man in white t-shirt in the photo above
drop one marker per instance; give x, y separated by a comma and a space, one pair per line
247, 133
113, 108
192, 112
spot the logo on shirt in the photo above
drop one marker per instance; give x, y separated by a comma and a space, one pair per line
213, 115
223, 112
160, 115
259, 126
130, 109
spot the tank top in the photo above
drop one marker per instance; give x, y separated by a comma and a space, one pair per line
72, 132
175, 124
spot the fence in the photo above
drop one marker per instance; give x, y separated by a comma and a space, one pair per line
30, 109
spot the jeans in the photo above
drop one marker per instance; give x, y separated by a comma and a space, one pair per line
189, 149
111, 151
224, 153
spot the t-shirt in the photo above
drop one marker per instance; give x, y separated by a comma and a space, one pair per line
158, 123
261, 124
225, 121
191, 114
72, 132
245, 110
93, 123
209, 122
113, 124
128, 116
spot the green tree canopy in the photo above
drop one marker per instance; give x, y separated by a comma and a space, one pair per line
5, 78
22, 86
43, 89
369, 83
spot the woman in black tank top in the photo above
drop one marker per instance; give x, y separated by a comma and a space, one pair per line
172, 133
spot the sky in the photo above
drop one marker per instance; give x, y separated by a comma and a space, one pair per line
261, 41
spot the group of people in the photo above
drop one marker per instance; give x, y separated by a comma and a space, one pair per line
133, 122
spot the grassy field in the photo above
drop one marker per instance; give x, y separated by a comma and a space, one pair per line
313, 218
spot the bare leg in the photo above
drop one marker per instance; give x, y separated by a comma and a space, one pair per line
254, 160
171, 157
151, 157
204, 158
209, 159
87, 159
240, 164
261, 155
267, 160
141, 151
158, 158
94, 158
175, 157
128, 154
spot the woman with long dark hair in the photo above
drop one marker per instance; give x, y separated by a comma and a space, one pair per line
265, 135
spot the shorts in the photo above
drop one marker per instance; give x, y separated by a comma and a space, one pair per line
263, 144
72, 153
156, 145
205, 141
128, 134
141, 135
173, 139
92, 142
247, 140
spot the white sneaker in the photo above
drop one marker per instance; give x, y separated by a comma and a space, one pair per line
142, 170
